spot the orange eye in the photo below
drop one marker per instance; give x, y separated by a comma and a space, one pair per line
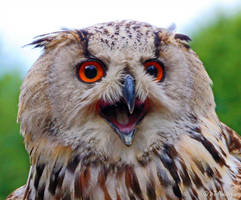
155, 68
90, 71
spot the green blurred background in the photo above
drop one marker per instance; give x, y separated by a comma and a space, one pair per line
217, 42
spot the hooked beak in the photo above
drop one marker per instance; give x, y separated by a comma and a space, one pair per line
129, 92
129, 95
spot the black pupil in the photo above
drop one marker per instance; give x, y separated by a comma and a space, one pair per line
90, 71
152, 70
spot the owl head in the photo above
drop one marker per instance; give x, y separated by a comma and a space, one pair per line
118, 88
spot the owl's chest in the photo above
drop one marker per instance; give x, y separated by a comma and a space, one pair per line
186, 170
161, 178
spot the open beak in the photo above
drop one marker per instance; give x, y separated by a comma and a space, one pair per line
124, 115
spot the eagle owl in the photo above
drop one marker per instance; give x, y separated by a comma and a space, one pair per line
124, 110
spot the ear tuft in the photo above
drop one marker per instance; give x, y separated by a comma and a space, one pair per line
51, 40
182, 37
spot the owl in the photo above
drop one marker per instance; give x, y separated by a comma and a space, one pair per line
124, 110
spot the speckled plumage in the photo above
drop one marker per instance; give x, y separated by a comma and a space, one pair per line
180, 150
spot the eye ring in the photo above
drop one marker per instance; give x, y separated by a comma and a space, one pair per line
155, 68
90, 71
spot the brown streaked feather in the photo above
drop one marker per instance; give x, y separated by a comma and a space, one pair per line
18, 194
132, 183
102, 182
233, 140
237, 185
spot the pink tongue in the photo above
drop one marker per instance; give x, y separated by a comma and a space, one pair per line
126, 127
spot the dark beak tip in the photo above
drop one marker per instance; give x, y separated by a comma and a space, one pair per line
128, 138
128, 144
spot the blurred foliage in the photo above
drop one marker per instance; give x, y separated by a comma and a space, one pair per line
218, 45
14, 160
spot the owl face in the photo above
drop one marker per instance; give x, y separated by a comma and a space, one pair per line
123, 85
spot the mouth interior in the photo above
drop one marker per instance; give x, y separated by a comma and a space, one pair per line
119, 117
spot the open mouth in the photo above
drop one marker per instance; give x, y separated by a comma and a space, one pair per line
122, 119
